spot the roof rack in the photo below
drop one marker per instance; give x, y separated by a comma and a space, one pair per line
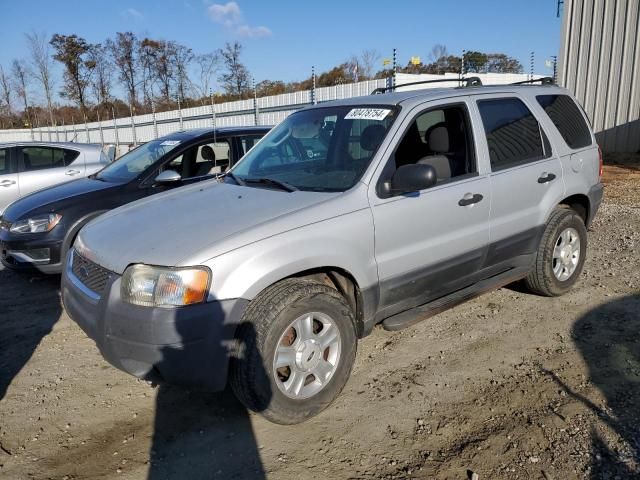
542, 80
468, 82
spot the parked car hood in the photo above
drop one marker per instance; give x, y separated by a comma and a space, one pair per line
166, 228
52, 198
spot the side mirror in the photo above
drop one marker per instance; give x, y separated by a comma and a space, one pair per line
168, 176
413, 178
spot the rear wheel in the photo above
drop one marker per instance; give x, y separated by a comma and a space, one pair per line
298, 345
561, 254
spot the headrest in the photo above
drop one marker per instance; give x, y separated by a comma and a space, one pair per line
372, 136
437, 138
207, 153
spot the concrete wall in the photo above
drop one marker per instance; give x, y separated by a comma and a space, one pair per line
600, 63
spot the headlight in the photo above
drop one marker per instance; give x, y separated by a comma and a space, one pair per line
37, 224
163, 287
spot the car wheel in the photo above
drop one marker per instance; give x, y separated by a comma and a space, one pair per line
297, 345
561, 254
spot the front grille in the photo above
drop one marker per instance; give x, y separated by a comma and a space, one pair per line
92, 275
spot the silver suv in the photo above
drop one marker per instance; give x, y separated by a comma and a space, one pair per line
383, 209
30, 166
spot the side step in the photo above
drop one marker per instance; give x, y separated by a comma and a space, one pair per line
411, 317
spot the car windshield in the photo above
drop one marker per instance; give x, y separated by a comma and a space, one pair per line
132, 164
321, 149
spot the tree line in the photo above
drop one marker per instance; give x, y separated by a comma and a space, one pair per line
130, 75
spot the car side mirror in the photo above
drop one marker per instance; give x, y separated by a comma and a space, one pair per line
412, 178
168, 176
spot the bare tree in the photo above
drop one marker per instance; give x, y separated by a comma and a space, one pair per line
164, 67
182, 58
147, 53
236, 79
124, 52
5, 89
102, 77
438, 57
20, 74
368, 60
207, 65
42, 64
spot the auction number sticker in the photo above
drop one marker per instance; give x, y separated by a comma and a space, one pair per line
367, 114
170, 143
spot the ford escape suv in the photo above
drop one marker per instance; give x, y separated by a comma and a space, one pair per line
382, 209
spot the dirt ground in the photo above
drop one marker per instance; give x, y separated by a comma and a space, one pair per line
507, 386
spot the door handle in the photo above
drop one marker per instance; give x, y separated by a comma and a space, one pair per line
470, 199
546, 177
72, 172
7, 183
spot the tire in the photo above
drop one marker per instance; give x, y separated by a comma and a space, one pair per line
550, 275
270, 326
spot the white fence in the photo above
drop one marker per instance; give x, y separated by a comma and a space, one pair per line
261, 111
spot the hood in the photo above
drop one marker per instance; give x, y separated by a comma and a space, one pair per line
53, 198
167, 228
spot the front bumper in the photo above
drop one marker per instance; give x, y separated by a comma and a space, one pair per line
188, 346
595, 199
33, 252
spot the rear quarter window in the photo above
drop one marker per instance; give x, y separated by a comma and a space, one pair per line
70, 156
566, 116
4, 161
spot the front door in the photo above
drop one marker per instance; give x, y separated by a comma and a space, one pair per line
9, 188
432, 242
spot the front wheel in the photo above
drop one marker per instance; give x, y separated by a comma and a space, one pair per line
561, 254
297, 347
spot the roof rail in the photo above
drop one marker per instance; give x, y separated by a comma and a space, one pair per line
542, 80
469, 82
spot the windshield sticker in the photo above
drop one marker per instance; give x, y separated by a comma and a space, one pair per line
367, 114
170, 143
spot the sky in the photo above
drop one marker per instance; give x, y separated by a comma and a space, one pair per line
282, 39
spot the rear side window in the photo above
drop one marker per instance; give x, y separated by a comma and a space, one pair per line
513, 133
566, 116
40, 158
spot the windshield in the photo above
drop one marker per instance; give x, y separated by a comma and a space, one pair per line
132, 164
321, 149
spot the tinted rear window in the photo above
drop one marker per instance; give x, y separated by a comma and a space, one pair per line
513, 134
39, 158
566, 116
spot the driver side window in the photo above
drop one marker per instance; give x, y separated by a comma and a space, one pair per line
439, 137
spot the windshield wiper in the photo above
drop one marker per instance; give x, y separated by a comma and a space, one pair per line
236, 179
271, 181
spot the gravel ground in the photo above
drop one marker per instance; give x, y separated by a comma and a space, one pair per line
509, 385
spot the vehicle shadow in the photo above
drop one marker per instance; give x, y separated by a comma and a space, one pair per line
609, 341
204, 435
29, 307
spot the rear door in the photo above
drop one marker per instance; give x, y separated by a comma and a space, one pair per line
9, 187
43, 166
526, 179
